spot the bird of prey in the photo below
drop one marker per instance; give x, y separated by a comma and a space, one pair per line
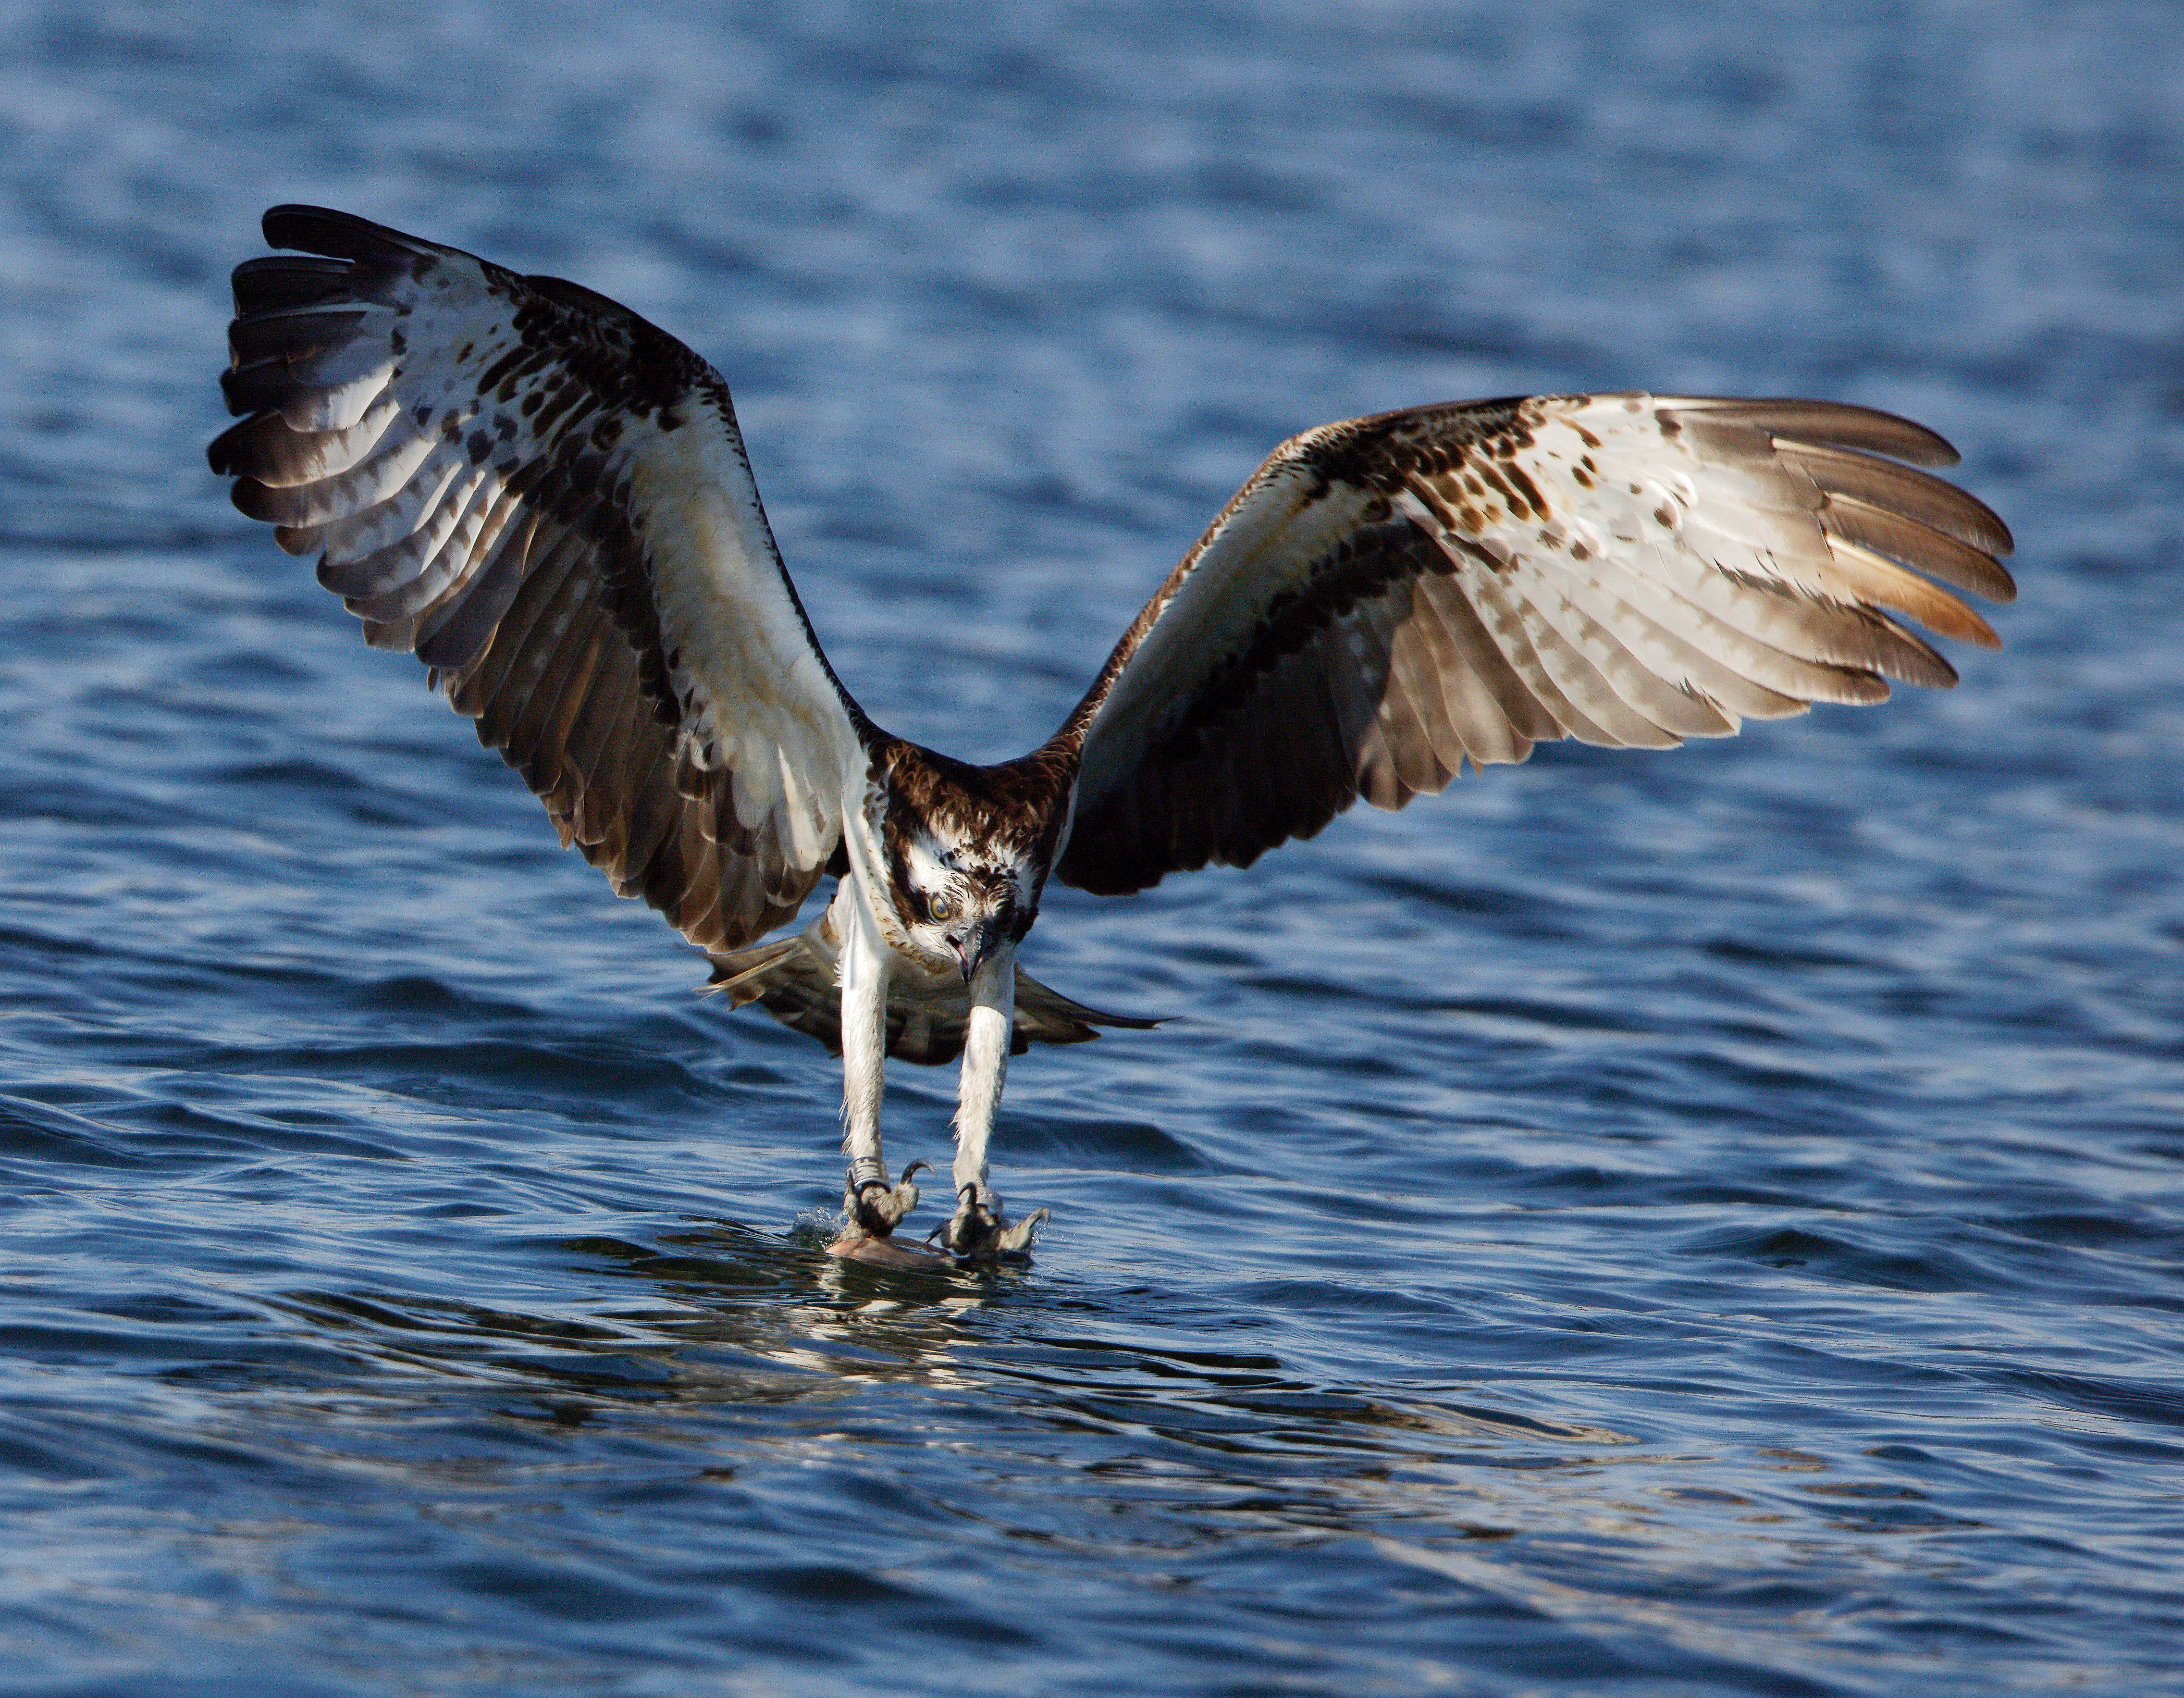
547, 499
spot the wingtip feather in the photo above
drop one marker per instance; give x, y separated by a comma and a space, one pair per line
1835, 423
337, 235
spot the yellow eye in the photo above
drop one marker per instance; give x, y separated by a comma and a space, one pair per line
942, 909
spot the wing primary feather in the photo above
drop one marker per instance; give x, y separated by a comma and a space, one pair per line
266, 449
273, 282
1873, 577
1835, 423
1918, 545
1917, 495
322, 229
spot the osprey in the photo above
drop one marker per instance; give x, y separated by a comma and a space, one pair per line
547, 499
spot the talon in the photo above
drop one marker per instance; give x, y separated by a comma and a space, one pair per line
877, 1208
978, 1232
1016, 1240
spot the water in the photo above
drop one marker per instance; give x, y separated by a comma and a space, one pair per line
1699, 1224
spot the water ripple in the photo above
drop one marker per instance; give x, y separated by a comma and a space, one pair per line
1696, 1224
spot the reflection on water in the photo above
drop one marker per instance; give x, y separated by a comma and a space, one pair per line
1043, 1427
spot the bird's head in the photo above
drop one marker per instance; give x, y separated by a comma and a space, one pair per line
960, 898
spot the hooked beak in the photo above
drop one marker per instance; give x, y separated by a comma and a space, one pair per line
972, 949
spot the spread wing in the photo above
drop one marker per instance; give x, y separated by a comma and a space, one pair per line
1391, 597
548, 499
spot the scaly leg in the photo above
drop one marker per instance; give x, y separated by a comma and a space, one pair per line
978, 1228
869, 1201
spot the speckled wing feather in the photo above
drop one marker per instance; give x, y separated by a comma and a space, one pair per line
1391, 597
548, 499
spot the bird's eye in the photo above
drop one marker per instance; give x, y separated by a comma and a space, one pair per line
942, 909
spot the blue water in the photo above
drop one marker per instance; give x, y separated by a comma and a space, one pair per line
1695, 1223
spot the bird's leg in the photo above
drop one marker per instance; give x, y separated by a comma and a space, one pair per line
978, 1228
872, 1204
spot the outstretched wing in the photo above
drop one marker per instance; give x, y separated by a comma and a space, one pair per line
547, 499
1390, 597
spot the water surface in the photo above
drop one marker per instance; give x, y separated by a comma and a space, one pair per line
1709, 1223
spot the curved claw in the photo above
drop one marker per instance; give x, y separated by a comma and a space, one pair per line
978, 1233
1017, 1240
876, 1208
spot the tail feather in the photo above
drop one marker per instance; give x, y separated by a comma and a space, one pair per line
795, 980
